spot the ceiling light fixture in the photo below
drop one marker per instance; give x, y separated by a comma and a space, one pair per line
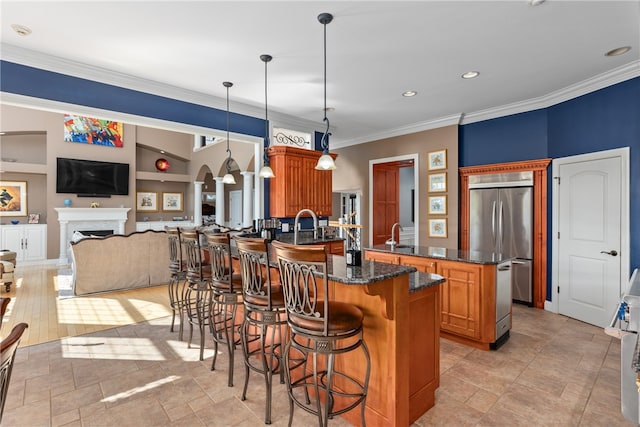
325, 162
228, 178
21, 29
470, 75
266, 171
618, 51
536, 2
409, 93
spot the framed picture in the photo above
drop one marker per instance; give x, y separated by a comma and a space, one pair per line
146, 201
438, 205
438, 227
172, 202
13, 198
87, 130
437, 160
34, 218
438, 182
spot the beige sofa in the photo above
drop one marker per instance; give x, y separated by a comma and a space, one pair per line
118, 262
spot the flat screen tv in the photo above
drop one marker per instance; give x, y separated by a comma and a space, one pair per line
88, 178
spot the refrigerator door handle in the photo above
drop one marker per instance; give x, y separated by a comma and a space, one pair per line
500, 224
493, 223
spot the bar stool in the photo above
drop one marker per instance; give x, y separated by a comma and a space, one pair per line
264, 310
227, 293
198, 295
319, 327
178, 283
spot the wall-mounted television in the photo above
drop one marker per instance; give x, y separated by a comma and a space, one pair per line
88, 178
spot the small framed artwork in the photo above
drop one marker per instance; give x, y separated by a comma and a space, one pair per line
172, 202
146, 201
13, 198
437, 160
438, 182
34, 218
438, 205
438, 227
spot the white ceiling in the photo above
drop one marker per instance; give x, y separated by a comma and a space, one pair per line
528, 56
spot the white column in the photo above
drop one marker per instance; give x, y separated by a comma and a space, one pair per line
220, 219
197, 202
247, 198
63, 260
196, 142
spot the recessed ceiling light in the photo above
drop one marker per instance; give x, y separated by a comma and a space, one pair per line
161, 151
409, 93
536, 2
618, 51
21, 29
470, 74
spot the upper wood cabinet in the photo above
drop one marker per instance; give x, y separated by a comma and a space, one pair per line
297, 184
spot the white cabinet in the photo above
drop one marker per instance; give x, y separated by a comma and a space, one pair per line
28, 241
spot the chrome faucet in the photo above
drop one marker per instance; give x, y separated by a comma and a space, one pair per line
392, 240
295, 224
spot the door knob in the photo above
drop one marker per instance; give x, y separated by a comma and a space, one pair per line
612, 253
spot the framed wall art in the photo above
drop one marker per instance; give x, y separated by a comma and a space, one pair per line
146, 201
172, 202
438, 205
13, 198
438, 182
437, 160
88, 130
438, 227
34, 218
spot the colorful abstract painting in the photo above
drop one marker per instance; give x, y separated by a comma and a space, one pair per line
88, 130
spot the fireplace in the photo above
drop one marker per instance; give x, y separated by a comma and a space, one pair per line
87, 221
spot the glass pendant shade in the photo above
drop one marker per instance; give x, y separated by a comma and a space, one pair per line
228, 179
325, 162
266, 172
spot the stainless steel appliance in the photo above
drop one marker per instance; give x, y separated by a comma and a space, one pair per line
503, 303
625, 325
501, 221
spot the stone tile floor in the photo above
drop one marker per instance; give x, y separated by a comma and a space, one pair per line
553, 371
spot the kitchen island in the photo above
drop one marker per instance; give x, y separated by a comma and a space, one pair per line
475, 300
401, 329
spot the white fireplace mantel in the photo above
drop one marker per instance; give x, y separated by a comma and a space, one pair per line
78, 219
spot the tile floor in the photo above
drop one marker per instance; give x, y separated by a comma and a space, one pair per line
553, 371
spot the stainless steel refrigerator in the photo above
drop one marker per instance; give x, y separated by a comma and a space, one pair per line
501, 221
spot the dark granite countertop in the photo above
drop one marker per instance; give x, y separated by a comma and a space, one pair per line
473, 257
306, 238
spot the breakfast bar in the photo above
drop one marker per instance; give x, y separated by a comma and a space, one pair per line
401, 329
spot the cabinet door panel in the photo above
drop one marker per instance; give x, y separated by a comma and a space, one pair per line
13, 240
35, 243
460, 298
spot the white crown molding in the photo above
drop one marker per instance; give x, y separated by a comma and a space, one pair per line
75, 69
601, 81
403, 130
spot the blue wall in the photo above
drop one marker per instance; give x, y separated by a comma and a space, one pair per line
602, 120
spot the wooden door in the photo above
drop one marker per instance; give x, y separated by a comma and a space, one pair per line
386, 181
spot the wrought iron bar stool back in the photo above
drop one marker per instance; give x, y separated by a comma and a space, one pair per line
265, 318
323, 328
8, 348
227, 296
198, 296
178, 282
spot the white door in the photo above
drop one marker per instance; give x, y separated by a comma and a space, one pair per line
235, 209
590, 219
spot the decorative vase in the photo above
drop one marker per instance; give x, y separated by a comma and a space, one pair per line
67, 202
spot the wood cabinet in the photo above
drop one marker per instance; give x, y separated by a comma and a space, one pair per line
28, 241
335, 248
297, 184
467, 297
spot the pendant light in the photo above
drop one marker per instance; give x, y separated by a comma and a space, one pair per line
266, 171
325, 162
228, 178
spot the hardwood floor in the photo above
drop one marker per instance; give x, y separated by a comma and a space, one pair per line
41, 296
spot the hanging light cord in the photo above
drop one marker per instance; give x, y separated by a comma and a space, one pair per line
227, 85
325, 142
266, 114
